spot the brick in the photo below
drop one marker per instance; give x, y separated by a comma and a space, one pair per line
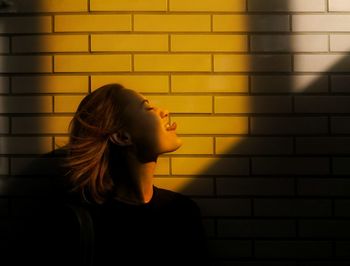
340, 83
4, 207
25, 145
289, 43
293, 249
340, 125
341, 166
139, 83
342, 207
186, 185
4, 166
196, 145
37, 167
210, 166
91, 63
252, 104
4, 45
211, 125
289, 125
324, 228
33, 6
290, 166
163, 166
256, 228
287, 6
339, 42
26, 64
342, 249
293, 207
323, 145
183, 104
262, 263
339, 5
209, 83
4, 124
253, 145
67, 104
50, 84
229, 249
209, 43
209, 227
41, 125
208, 5
90, 23
172, 23
224, 207
126, 5
26, 104
27, 24
129, 42
322, 104
289, 84
321, 63
4, 84
321, 23
250, 23
172, 62
248, 186
324, 187
50, 43
59, 142
248, 63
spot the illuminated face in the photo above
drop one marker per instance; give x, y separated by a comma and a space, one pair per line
149, 127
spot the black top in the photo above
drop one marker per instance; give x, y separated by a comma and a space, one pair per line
165, 231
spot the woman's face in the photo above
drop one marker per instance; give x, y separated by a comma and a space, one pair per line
149, 127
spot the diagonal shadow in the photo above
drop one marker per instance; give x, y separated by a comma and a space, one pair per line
286, 160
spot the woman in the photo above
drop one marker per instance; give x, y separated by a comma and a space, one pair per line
116, 136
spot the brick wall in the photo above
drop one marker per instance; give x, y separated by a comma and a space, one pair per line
259, 90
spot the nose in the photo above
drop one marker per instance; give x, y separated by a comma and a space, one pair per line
164, 113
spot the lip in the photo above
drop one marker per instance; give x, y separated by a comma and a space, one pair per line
170, 126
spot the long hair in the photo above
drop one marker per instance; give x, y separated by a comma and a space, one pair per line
99, 115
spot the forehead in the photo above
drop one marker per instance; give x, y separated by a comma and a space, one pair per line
133, 99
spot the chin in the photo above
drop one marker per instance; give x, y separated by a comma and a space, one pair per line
173, 147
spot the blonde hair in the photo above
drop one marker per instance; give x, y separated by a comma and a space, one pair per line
98, 115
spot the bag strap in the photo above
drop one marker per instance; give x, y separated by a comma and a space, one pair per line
86, 234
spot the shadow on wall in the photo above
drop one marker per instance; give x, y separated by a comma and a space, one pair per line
273, 187
25, 190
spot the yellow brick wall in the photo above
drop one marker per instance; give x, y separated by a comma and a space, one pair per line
258, 89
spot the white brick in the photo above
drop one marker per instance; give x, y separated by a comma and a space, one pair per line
4, 45
4, 124
322, 63
321, 23
339, 5
289, 84
287, 5
4, 166
340, 83
25, 145
244, 23
287, 43
340, 42
4, 84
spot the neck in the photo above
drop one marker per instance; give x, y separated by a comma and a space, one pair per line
136, 185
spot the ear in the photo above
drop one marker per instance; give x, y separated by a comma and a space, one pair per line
121, 138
